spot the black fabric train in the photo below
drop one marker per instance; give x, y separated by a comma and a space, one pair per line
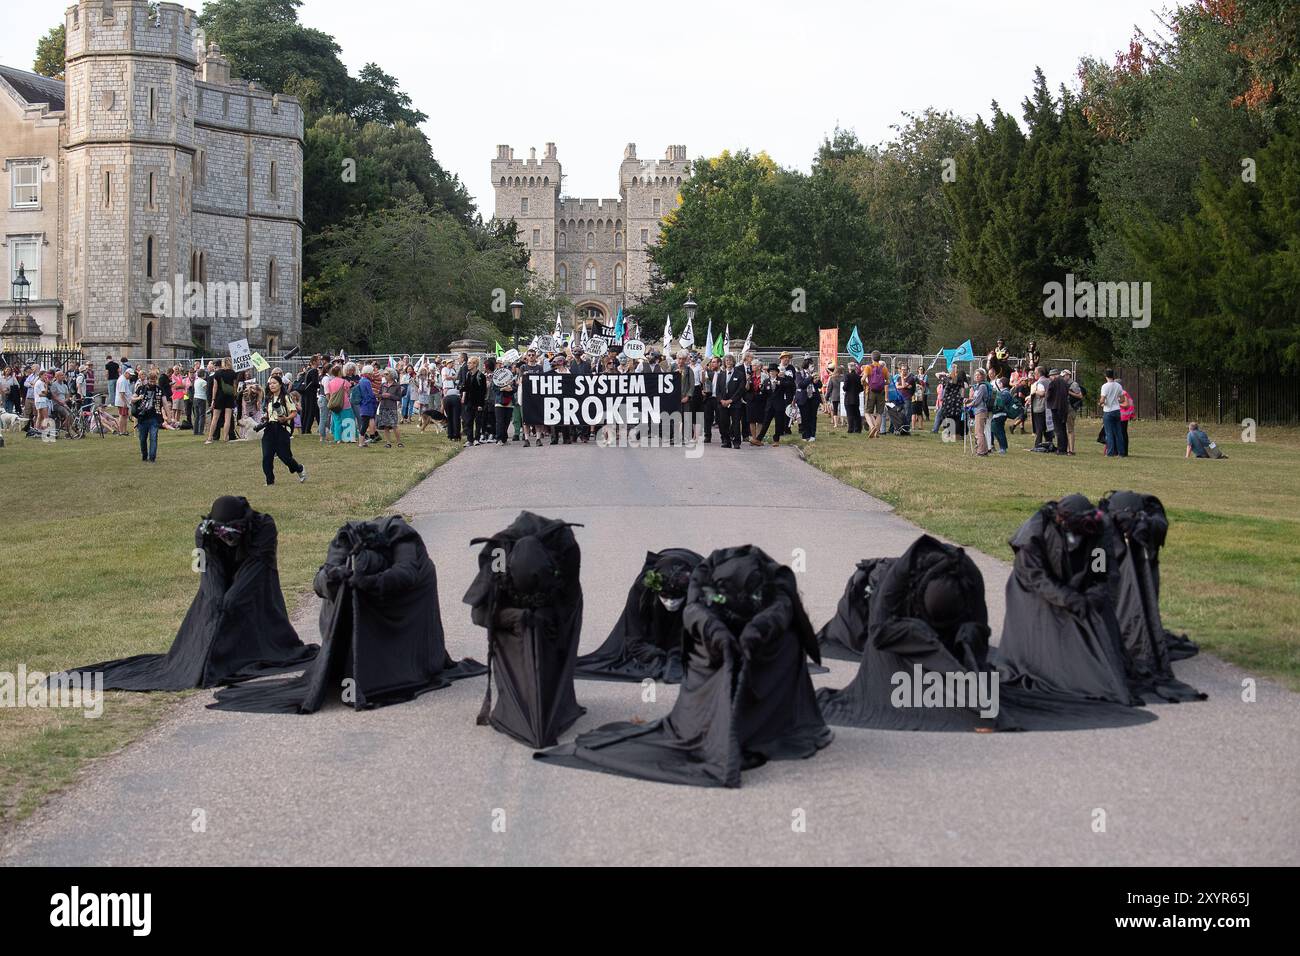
528, 596
236, 627
381, 628
746, 697
647, 638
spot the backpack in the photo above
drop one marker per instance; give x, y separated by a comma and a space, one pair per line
335, 402
876, 377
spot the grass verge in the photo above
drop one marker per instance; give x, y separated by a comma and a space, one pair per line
96, 565
1230, 572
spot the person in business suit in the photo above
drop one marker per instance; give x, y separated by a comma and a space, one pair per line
808, 398
685, 389
778, 391
729, 393
709, 399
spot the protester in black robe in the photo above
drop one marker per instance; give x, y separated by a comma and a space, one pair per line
843, 636
237, 626
926, 626
381, 628
1142, 525
746, 697
647, 638
1060, 635
528, 596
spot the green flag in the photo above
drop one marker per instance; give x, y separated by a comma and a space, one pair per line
500, 350
717, 347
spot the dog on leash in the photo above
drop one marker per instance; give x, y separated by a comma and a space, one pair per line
9, 422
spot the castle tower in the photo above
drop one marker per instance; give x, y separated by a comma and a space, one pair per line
527, 191
650, 191
128, 167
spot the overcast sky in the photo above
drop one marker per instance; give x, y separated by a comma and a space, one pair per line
777, 75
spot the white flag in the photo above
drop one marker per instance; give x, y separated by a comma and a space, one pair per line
668, 331
708, 341
392, 362
749, 341
688, 336
558, 330
726, 341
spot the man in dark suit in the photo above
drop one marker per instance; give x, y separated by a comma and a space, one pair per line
709, 400
728, 386
1058, 400
778, 390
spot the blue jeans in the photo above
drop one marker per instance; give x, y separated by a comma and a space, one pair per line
148, 431
1000, 432
323, 404
408, 405
1115, 443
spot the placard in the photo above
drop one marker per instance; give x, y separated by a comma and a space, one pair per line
259, 364
545, 343
597, 346
634, 348
509, 358
241, 360
599, 399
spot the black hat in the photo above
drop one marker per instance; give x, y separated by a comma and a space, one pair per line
773, 367
229, 508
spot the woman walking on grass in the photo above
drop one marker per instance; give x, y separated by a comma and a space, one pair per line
280, 411
386, 419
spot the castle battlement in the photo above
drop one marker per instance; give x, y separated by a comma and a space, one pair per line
95, 27
568, 205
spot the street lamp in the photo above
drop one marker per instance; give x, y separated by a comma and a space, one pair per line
689, 306
516, 313
21, 295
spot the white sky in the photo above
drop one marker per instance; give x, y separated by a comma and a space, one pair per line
778, 75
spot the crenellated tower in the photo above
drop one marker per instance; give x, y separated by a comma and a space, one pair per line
527, 191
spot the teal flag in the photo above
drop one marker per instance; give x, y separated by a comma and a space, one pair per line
949, 356
964, 353
855, 346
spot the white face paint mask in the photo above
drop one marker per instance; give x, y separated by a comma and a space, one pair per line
672, 603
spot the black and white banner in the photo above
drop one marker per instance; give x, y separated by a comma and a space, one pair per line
599, 399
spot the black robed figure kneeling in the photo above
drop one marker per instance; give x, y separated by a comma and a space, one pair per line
746, 697
925, 622
646, 642
1061, 637
381, 628
1141, 519
528, 596
237, 626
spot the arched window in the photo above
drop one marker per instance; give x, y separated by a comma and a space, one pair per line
148, 255
272, 286
618, 240
203, 267
148, 340
618, 277
590, 281
272, 345
564, 277
564, 240
591, 240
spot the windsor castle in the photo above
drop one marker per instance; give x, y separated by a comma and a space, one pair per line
594, 251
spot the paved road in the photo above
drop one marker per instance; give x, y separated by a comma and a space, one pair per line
1212, 783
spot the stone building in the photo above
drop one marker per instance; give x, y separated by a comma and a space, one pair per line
172, 199
593, 250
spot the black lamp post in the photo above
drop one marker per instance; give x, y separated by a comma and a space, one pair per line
21, 294
516, 314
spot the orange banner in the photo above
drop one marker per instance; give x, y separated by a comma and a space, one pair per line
829, 350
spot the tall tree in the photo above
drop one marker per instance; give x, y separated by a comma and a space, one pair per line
50, 52
1226, 278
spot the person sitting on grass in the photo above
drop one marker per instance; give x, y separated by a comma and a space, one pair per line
1199, 444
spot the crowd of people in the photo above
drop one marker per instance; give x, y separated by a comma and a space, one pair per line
475, 399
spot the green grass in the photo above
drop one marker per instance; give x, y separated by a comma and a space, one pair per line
1230, 572
96, 564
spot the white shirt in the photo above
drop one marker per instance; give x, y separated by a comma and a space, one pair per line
123, 391
200, 389
1111, 393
